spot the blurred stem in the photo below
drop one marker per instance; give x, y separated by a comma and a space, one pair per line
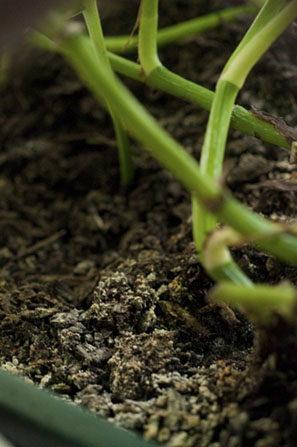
170, 34
218, 260
260, 302
92, 19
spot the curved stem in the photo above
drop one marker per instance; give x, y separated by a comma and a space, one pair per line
163, 79
170, 34
261, 302
218, 260
167, 81
268, 11
92, 19
147, 36
237, 71
171, 154
257, 41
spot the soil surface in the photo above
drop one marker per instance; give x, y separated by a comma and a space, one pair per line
102, 297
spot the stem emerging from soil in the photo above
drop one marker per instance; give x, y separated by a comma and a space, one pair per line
170, 154
269, 24
93, 23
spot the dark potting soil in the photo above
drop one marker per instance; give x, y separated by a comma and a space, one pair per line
102, 297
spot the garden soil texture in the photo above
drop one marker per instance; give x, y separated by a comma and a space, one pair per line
102, 296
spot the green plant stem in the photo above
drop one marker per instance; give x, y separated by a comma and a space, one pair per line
217, 257
91, 16
138, 121
244, 61
176, 85
257, 41
147, 36
92, 19
180, 31
213, 152
230, 271
148, 55
267, 12
169, 82
124, 151
260, 302
171, 155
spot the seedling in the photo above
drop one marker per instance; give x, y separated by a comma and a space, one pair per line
211, 202
88, 55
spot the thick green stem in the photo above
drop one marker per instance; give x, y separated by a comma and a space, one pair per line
217, 257
213, 151
180, 31
147, 36
174, 84
244, 61
267, 12
230, 272
257, 41
260, 302
172, 156
93, 23
217, 128
91, 16
149, 26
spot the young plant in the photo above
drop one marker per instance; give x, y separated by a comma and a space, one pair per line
210, 200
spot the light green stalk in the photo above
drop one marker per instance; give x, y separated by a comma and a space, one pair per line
147, 36
217, 258
240, 66
91, 16
261, 302
148, 55
171, 155
176, 85
213, 152
169, 82
170, 34
257, 41
268, 11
